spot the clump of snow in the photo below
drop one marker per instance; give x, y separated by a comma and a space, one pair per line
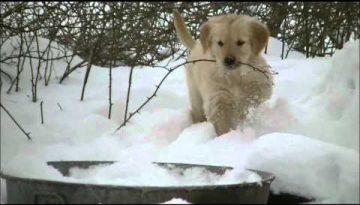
240, 175
133, 174
176, 201
307, 134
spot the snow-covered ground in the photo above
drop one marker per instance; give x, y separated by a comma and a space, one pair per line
307, 134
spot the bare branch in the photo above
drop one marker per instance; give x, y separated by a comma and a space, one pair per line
58, 104
26, 133
128, 95
41, 111
70, 70
87, 74
6, 74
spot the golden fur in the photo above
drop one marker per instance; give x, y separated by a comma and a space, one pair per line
222, 92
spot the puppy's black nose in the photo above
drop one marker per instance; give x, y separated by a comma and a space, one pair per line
229, 61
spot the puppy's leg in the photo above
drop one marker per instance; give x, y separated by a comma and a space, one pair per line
197, 111
219, 109
196, 102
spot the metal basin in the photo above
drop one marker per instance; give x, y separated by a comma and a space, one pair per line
36, 191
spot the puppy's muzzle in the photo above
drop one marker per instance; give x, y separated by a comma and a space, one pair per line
230, 62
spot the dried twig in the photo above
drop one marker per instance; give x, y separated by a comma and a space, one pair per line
110, 82
16, 80
48, 51
34, 57
260, 70
87, 73
26, 133
126, 119
58, 104
41, 111
128, 95
38, 68
92, 54
47, 79
168, 73
32, 80
6, 74
110, 69
70, 70
18, 64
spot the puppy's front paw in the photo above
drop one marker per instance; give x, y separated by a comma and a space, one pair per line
218, 110
221, 128
222, 122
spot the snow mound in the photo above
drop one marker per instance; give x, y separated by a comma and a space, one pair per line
308, 167
330, 111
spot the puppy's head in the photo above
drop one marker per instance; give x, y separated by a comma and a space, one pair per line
232, 39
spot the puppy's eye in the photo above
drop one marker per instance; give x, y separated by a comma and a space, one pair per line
239, 43
220, 43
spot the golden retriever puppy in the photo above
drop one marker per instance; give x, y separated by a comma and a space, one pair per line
222, 92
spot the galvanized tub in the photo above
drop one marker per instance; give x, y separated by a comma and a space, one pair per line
36, 191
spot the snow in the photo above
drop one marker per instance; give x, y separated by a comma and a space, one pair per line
176, 201
274, 49
308, 167
307, 134
118, 174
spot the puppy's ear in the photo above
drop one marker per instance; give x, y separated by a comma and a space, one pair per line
205, 36
260, 36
